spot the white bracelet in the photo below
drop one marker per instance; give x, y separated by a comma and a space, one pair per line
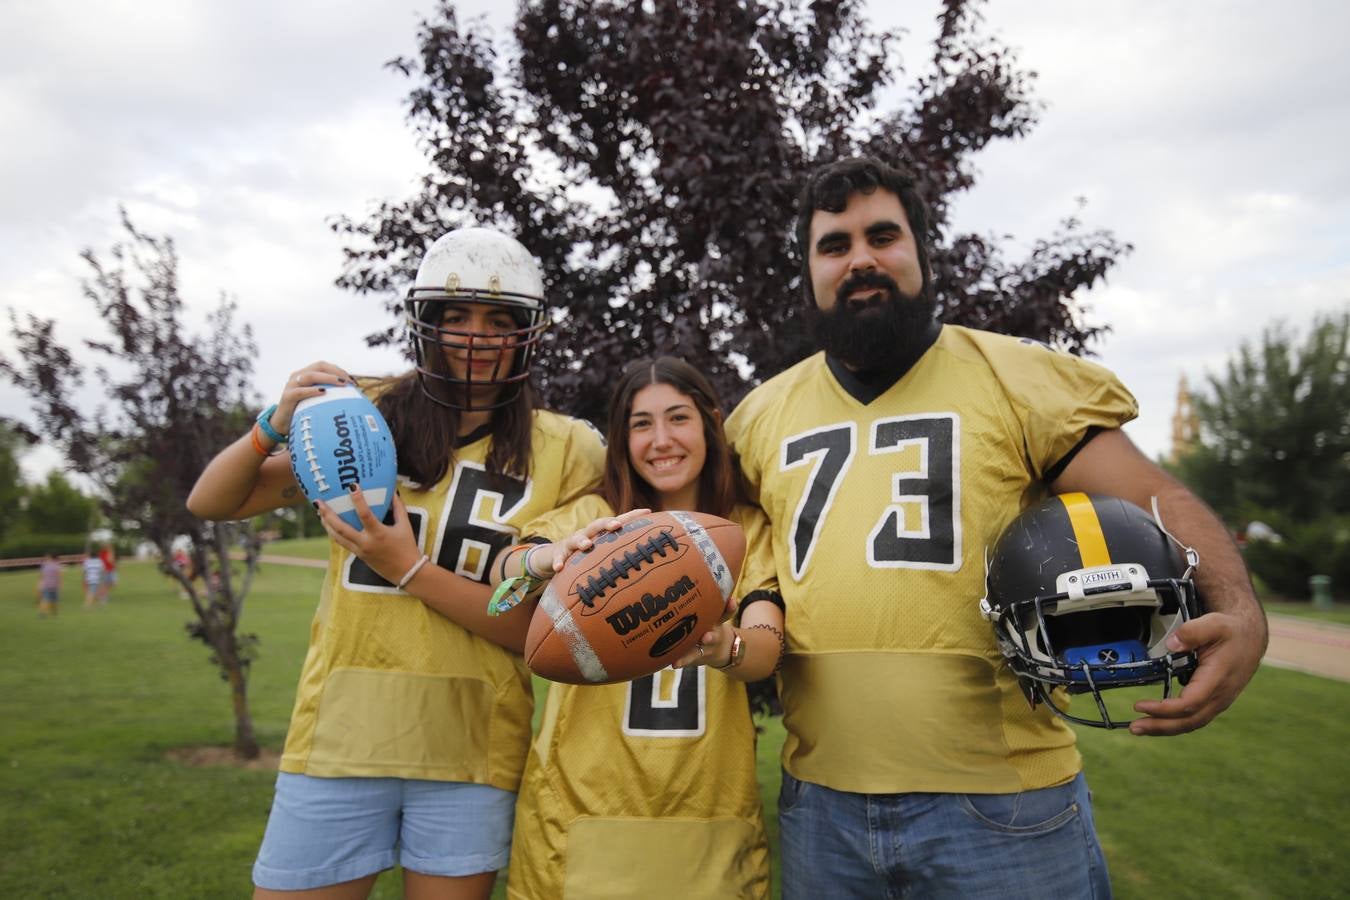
525, 564
416, 567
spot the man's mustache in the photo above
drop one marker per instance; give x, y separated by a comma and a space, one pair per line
863, 281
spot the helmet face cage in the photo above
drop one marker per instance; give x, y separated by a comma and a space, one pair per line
1083, 593
478, 266
430, 344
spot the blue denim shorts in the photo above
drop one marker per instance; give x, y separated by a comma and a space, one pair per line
326, 831
1031, 845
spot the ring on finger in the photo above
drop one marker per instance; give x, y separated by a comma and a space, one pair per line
700, 649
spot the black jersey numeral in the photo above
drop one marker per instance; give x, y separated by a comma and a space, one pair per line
465, 541
361, 577
932, 486
829, 451
679, 711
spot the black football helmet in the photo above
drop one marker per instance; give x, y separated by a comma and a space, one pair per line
474, 265
1083, 591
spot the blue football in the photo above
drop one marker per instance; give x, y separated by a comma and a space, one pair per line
337, 440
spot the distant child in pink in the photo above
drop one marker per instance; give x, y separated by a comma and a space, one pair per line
49, 586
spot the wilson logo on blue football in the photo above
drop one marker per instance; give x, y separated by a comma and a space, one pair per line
338, 440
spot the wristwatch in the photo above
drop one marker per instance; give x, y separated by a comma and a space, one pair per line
737, 652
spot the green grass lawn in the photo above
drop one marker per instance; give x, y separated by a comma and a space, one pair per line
1252, 806
309, 548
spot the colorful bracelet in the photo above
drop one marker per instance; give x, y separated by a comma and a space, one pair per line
511, 592
505, 557
525, 564
257, 444
264, 421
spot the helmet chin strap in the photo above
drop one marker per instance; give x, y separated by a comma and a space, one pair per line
986, 611
1192, 555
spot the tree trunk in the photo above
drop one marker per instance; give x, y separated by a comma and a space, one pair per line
245, 744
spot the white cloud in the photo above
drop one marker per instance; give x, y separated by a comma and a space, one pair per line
1202, 134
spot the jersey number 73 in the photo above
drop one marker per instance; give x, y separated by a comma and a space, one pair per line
932, 486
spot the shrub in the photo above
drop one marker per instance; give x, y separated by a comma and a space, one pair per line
20, 546
1318, 547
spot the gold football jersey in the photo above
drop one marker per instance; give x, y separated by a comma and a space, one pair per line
392, 688
641, 789
881, 507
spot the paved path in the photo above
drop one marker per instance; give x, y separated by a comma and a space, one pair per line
293, 561
1318, 648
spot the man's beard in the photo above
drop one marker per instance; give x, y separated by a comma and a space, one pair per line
882, 333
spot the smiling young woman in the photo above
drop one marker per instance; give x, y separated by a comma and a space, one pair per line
666, 760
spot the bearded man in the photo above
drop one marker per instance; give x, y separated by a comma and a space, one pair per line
888, 464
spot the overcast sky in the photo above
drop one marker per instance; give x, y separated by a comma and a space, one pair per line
1210, 135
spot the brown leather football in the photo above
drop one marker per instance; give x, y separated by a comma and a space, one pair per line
637, 600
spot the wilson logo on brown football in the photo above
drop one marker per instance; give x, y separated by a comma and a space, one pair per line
630, 617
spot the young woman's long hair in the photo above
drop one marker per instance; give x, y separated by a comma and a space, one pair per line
623, 489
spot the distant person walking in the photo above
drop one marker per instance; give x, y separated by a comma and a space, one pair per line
183, 563
92, 567
49, 586
109, 560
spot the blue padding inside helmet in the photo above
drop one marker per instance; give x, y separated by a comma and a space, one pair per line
1101, 657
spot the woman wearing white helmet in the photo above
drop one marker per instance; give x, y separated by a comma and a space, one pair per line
412, 719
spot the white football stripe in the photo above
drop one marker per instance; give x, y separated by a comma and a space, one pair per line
588, 664
707, 548
342, 504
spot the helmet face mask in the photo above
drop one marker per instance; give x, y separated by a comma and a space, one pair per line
479, 267
1083, 592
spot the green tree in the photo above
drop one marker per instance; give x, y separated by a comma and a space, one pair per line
1275, 425
58, 507
1275, 446
650, 153
14, 438
174, 400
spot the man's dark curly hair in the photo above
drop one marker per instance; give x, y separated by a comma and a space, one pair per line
829, 188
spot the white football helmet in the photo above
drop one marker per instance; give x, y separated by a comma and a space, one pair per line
474, 265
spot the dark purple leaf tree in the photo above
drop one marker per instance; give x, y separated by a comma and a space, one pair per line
171, 401
650, 154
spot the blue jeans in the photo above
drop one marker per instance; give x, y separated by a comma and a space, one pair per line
1030, 845
324, 831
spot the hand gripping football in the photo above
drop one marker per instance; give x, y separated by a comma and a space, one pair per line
339, 439
637, 601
